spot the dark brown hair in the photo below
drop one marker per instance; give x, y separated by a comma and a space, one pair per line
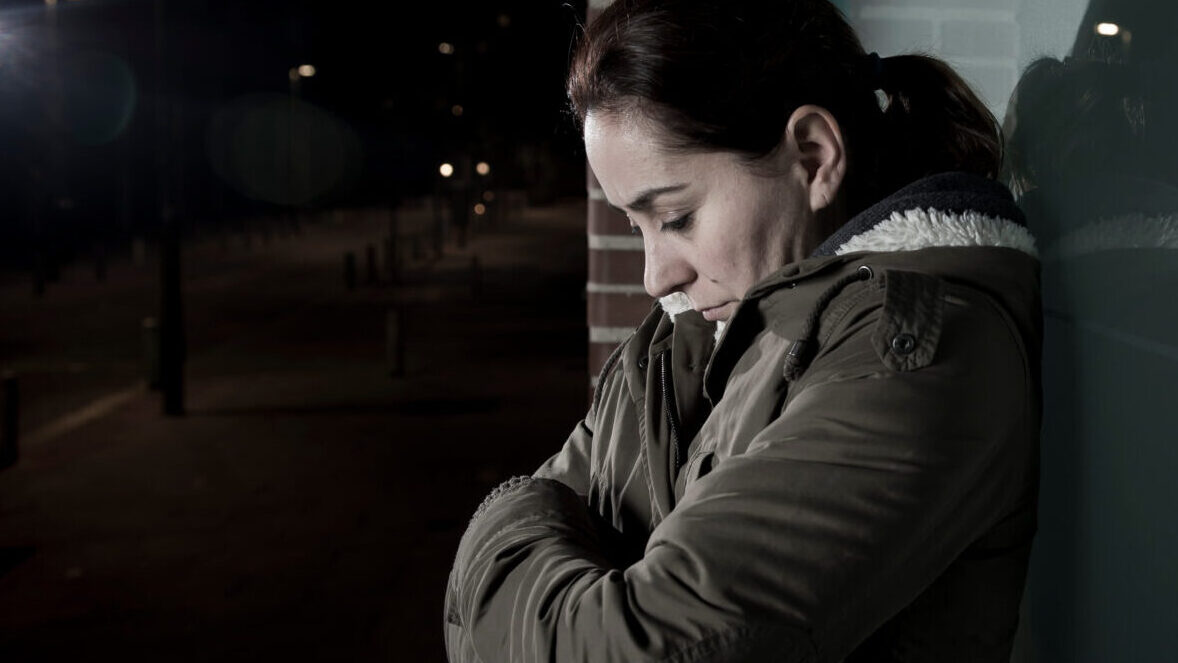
726, 75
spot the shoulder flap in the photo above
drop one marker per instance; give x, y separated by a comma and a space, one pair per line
906, 336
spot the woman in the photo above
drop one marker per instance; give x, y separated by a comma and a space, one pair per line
822, 446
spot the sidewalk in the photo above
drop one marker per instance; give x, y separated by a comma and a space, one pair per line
308, 506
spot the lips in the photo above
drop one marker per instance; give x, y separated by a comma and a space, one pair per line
718, 312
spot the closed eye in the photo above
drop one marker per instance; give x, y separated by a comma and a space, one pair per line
677, 225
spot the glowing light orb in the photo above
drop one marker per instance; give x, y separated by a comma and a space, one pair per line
1107, 29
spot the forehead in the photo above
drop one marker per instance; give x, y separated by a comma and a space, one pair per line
627, 154
621, 139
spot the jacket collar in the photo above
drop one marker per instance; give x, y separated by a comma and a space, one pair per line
948, 209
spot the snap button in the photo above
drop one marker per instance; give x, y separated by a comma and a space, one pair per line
865, 272
903, 344
642, 362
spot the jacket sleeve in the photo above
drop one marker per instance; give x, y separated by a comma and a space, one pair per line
573, 464
572, 467
869, 483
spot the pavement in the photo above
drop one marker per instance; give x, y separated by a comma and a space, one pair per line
308, 505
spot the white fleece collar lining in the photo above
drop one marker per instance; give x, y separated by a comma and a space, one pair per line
912, 230
916, 229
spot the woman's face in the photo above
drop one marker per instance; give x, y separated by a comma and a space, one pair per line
711, 227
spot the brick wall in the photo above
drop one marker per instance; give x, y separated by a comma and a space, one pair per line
616, 300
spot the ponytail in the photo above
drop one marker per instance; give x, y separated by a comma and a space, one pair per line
933, 122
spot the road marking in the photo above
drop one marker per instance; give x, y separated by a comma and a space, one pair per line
84, 415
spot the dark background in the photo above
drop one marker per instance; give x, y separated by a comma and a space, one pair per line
109, 104
260, 359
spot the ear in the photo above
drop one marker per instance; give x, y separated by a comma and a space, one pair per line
815, 137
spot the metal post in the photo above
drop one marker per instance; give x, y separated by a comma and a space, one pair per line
394, 342
169, 180
171, 328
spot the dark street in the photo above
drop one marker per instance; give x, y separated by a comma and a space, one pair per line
305, 508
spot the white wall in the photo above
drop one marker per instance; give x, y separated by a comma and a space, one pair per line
988, 41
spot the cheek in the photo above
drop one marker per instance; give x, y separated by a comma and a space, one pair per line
758, 247
731, 257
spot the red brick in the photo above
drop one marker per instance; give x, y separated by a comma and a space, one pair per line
615, 267
605, 220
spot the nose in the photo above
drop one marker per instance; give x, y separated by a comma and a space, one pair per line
666, 270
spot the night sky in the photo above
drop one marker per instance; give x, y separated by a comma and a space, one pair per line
108, 104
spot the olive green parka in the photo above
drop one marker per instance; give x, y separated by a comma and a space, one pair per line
848, 473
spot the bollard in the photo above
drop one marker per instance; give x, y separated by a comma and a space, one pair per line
394, 342
10, 426
151, 353
350, 270
476, 277
371, 274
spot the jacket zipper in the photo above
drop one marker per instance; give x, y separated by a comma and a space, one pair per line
669, 405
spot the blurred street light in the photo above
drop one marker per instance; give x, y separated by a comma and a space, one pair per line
301, 71
446, 48
482, 168
480, 209
446, 170
456, 110
1107, 29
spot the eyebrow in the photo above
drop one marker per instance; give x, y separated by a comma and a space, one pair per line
643, 202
